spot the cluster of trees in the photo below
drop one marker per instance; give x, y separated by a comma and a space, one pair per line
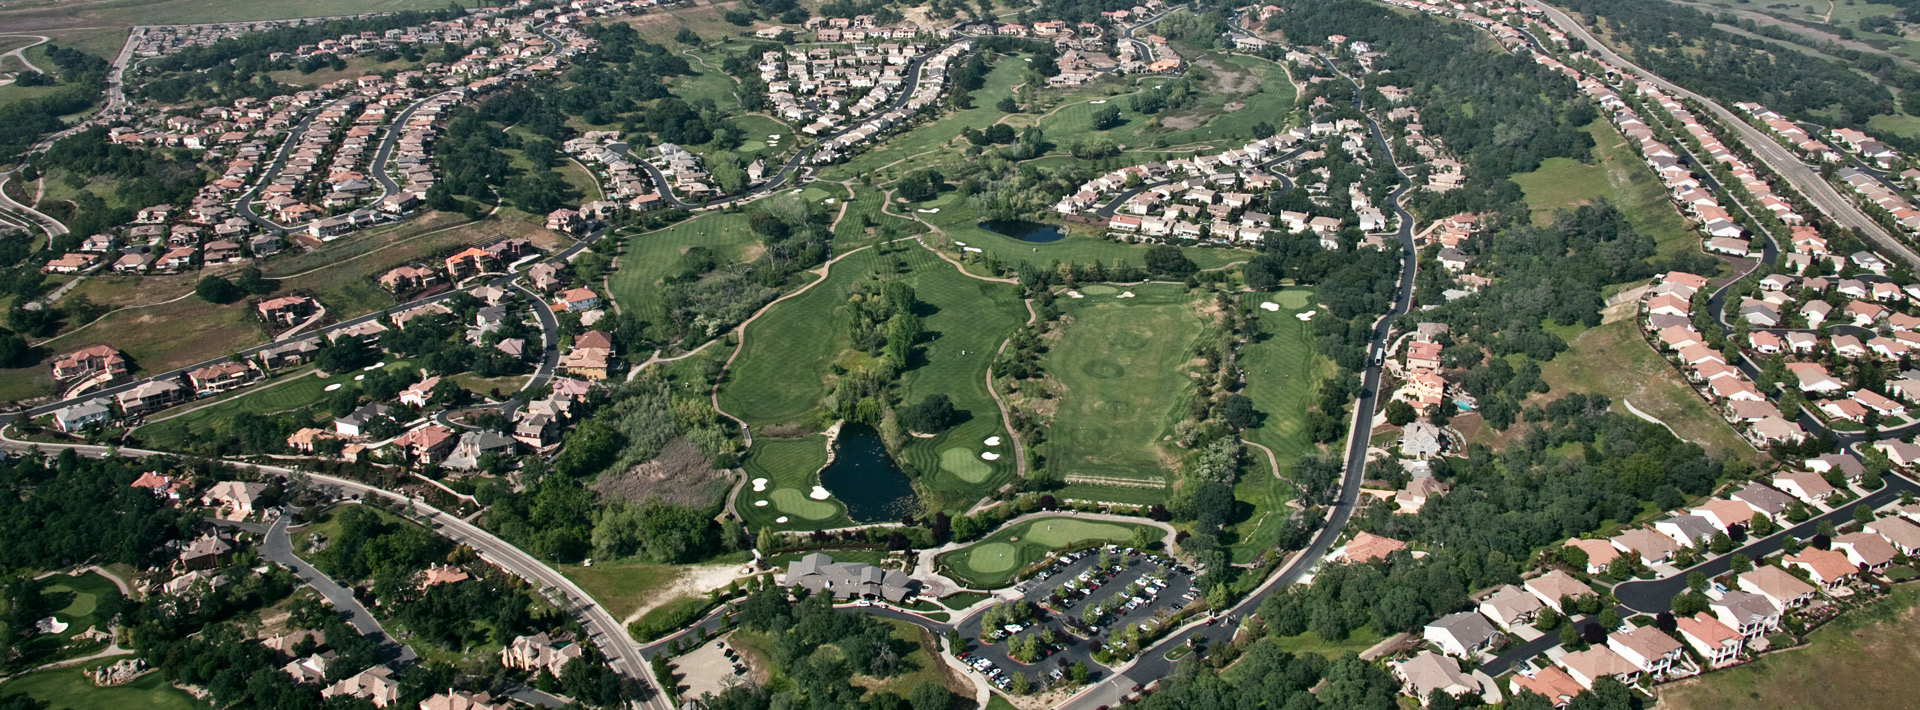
1503, 508
1683, 45
23, 121
1172, 95
819, 650
141, 178
221, 290
705, 297
67, 510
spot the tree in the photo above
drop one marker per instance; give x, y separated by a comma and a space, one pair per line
1609, 618
1400, 413
1862, 514
1622, 566
921, 185
1007, 105
1106, 117
1020, 683
930, 696
686, 36
217, 290
1569, 636
1236, 411
1689, 604
1760, 525
1720, 544
1739, 564
1574, 558
765, 542
1697, 581
1168, 260
934, 414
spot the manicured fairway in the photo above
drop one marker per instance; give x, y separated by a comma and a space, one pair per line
934, 136
993, 561
790, 467
69, 688
865, 223
647, 259
1122, 366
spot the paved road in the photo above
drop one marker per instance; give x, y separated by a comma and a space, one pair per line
244, 203
605, 632
278, 547
1152, 663
1809, 182
21, 54
51, 226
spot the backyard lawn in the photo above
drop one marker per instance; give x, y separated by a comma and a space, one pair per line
992, 562
1122, 366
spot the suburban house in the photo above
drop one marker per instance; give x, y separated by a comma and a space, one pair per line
234, 500
1598, 662
1828, 568
1647, 647
1550, 683
1778, 586
1553, 586
1713, 640
1510, 606
541, 652
1427, 671
1463, 634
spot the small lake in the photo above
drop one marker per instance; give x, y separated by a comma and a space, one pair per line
1024, 230
865, 478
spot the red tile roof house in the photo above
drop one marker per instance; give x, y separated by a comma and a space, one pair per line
1647, 647
1829, 569
1550, 682
286, 310
1723, 514
1366, 547
427, 444
88, 362
1599, 553
1712, 639
219, 377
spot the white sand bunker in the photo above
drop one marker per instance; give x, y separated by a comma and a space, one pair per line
1308, 315
375, 366
1076, 294
959, 244
1270, 306
990, 456
759, 504
774, 136
975, 250
1128, 294
819, 493
781, 519
932, 210
1097, 101
829, 200
51, 625
993, 441
759, 484
357, 378
332, 387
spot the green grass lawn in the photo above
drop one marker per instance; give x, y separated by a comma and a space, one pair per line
993, 561
69, 688
82, 594
1358, 640
1864, 660
1240, 92
1611, 359
622, 587
663, 620
1284, 372
289, 393
1617, 175
1082, 245
172, 12
791, 467
864, 223
920, 664
934, 135
647, 259
1122, 366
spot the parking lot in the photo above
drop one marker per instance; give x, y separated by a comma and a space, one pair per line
714, 667
1061, 595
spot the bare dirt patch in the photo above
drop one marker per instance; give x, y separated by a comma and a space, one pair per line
679, 475
708, 670
692, 582
1186, 122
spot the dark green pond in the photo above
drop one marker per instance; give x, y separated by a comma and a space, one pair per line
865, 478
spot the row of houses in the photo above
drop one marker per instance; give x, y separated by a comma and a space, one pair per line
932, 82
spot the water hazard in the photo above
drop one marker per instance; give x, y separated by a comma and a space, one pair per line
1024, 230
865, 478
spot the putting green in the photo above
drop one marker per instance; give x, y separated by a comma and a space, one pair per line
83, 602
1292, 300
794, 502
1099, 290
1061, 532
965, 464
993, 557
1103, 369
1129, 338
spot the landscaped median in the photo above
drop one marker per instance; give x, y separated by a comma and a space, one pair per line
1000, 558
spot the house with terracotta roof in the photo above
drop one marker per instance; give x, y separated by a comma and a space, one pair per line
427, 444
1549, 682
1599, 553
90, 361
1368, 547
1828, 568
375, 685
161, 485
1713, 640
1724, 514
219, 377
578, 299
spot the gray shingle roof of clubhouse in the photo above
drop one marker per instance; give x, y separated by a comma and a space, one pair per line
818, 572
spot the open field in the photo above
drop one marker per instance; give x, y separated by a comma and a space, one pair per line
622, 587
1863, 660
356, 68
648, 258
992, 562
791, 467
169, 335
1616, 175
705, 20
69, 688
1238, 92
1121, 364
1613, 360
1358, 640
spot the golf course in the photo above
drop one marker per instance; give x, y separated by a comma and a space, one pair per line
993, 561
